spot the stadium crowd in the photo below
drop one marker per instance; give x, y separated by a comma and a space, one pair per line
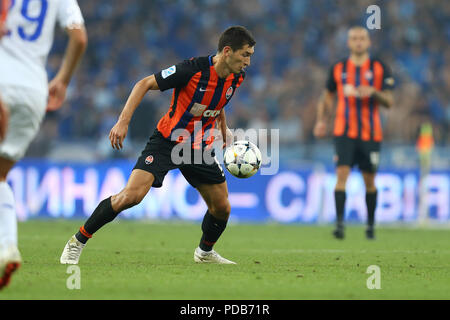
297, 41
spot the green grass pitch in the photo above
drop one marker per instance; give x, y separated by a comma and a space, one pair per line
141, 260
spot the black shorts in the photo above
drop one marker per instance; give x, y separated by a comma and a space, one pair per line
156, 158
350, 152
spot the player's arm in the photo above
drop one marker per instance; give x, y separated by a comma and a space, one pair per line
74, 52
119, 131
383, 96
3, 13
227, 135
324, 107
4, 117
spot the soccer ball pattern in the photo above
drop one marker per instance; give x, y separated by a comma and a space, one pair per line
242, 159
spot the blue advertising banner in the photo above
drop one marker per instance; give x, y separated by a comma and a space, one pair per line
69, 190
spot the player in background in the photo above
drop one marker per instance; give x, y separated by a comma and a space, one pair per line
361, 84
4, 114
26, 40
424, 147
202, 87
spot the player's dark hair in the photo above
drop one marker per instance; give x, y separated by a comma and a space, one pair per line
236, 37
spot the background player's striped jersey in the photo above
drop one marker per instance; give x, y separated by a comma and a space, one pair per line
24, 50
356, 117
199, 95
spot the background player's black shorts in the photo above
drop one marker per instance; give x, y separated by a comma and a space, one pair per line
156, 159
350, 152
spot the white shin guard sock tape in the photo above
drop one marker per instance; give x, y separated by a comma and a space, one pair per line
8, 219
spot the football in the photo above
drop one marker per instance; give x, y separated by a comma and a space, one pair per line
242, 159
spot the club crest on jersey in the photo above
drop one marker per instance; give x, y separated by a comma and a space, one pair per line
149, 159
229, 93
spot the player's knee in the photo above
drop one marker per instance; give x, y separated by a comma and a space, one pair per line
369, 182
341, 183
221, 209
128, 198
370, 187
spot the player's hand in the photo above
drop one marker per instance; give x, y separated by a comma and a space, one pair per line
4, 117
117, 135
56, 94
3, 30
365, 91
320, 129
229, 137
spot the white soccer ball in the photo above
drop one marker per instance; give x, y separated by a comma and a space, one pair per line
242, 159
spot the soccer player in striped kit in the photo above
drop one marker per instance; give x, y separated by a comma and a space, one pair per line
202, 87
361, 84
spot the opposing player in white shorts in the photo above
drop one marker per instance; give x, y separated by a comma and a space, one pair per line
25, 42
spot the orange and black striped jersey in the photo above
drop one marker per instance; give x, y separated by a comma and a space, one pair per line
198, 97
358, 117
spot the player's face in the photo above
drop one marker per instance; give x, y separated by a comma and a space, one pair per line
358, 41
238, 60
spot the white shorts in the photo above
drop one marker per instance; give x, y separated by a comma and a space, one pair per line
26, 111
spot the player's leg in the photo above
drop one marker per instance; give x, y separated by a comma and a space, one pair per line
342, 173
26, 111
216, 218
9, 254
371, 202
8, 225
209, 180
368, 160
344, 158
149, 171
214, 222
137, 187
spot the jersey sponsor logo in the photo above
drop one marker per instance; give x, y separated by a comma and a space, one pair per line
211, 113
168, 72
203, 89
197, 109
149, 159
229, 93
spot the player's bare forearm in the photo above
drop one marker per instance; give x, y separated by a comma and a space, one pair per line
323, 109
4, 117
222, 121
136, 96
75, 49
384, 97
324, 105
227, 135
74, 52
119, 132
3, 30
